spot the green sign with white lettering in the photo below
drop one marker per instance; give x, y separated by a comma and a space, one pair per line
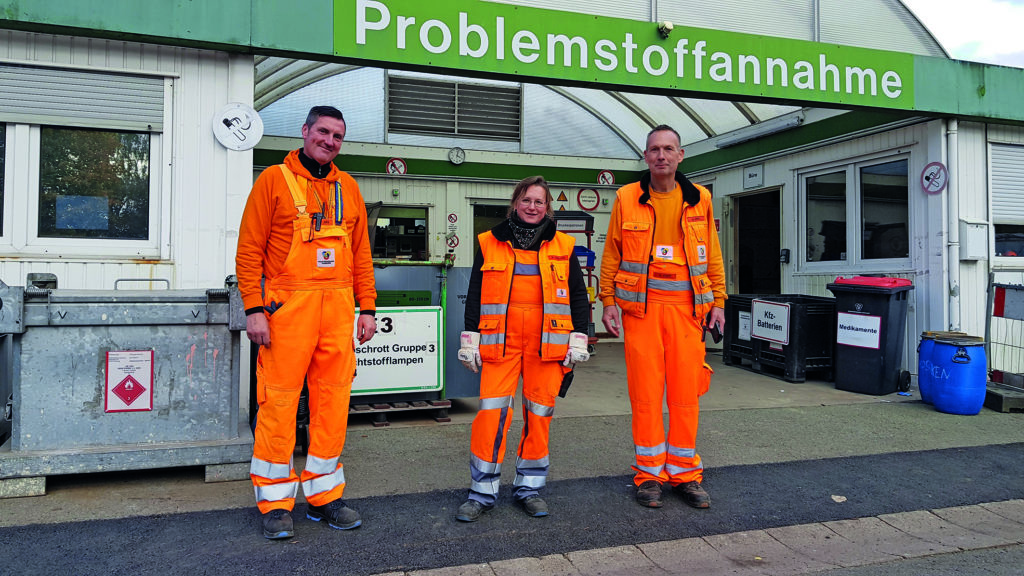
546, 44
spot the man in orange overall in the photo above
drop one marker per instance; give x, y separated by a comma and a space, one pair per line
662, 266
303, 265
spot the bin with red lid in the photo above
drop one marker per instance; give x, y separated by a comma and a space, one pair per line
871, 318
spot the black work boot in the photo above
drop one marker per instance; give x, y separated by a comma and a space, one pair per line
693, 494
470, 511
648, 494
336, 513
534, 506
277, 524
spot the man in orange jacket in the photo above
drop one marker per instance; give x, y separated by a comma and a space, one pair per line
662, 266
303, 265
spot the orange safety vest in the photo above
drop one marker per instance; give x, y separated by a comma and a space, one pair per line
498, 269
638, 221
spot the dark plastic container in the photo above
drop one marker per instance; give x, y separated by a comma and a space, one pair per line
811, 338
870, 335
734, 348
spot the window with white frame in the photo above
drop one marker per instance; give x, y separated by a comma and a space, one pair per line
1008, 199
82, 153
857, 214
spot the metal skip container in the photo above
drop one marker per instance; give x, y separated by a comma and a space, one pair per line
110, 380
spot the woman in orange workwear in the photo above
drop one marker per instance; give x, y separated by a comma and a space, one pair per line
527, 311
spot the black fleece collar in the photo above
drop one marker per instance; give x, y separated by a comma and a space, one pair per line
503, 232
690, 193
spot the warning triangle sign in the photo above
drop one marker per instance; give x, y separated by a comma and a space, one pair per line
561, 208
562, 198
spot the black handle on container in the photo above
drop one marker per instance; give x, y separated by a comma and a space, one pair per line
961, 356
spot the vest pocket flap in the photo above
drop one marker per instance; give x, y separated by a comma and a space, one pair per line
629, 281
494, 266
490, 324
560, 325
636, 226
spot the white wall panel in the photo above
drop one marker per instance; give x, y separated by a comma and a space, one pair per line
784, 18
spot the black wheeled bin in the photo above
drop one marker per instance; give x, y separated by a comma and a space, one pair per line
871, 319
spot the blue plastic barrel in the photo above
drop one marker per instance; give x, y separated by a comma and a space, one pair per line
924, 366
959, 375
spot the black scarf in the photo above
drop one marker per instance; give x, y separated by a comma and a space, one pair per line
525, 235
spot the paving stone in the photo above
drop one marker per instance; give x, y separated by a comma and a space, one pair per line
617, 561
466, 570
1011, 509
927, 526
553, 565
756, 548
693, 556
877, 537
978, 519
823, 544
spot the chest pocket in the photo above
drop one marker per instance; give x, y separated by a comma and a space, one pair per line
494, 286
636, 239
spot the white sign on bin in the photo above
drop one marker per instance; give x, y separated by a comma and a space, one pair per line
860, 330
743, 331
405, 354
770, 321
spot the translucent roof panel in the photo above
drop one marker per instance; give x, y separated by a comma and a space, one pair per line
552, 124
359, 94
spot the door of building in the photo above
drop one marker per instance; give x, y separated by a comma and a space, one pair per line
757, 246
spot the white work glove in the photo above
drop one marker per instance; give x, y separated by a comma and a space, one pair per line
469, 353
577, 349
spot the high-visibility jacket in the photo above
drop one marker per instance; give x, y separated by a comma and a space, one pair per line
498, 268
701, 250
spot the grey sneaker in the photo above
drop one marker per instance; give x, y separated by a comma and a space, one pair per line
534, 506
277, 524
648, 494
693, 494
337, 515
470, 511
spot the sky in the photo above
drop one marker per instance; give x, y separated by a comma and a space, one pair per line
988, 31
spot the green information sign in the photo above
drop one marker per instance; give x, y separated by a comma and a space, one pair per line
545, 44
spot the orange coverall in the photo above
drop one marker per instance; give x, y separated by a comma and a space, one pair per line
307, 282
659, 247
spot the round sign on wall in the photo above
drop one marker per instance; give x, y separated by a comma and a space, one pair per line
934, 178
588, 199
238, 127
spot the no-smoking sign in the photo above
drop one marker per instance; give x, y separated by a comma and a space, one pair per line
934, 178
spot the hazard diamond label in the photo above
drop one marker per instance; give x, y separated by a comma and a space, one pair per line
129, 381
128, 390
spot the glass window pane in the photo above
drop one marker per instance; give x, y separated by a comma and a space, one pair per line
93, 184
1009, 240
885, 230
3, 164
826, 217
401, 233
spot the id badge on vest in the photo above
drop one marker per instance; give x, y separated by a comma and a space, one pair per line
664, 252
702, 254
325, 258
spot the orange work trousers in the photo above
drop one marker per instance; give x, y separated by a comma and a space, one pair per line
311, 337
498, 382
665, 357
